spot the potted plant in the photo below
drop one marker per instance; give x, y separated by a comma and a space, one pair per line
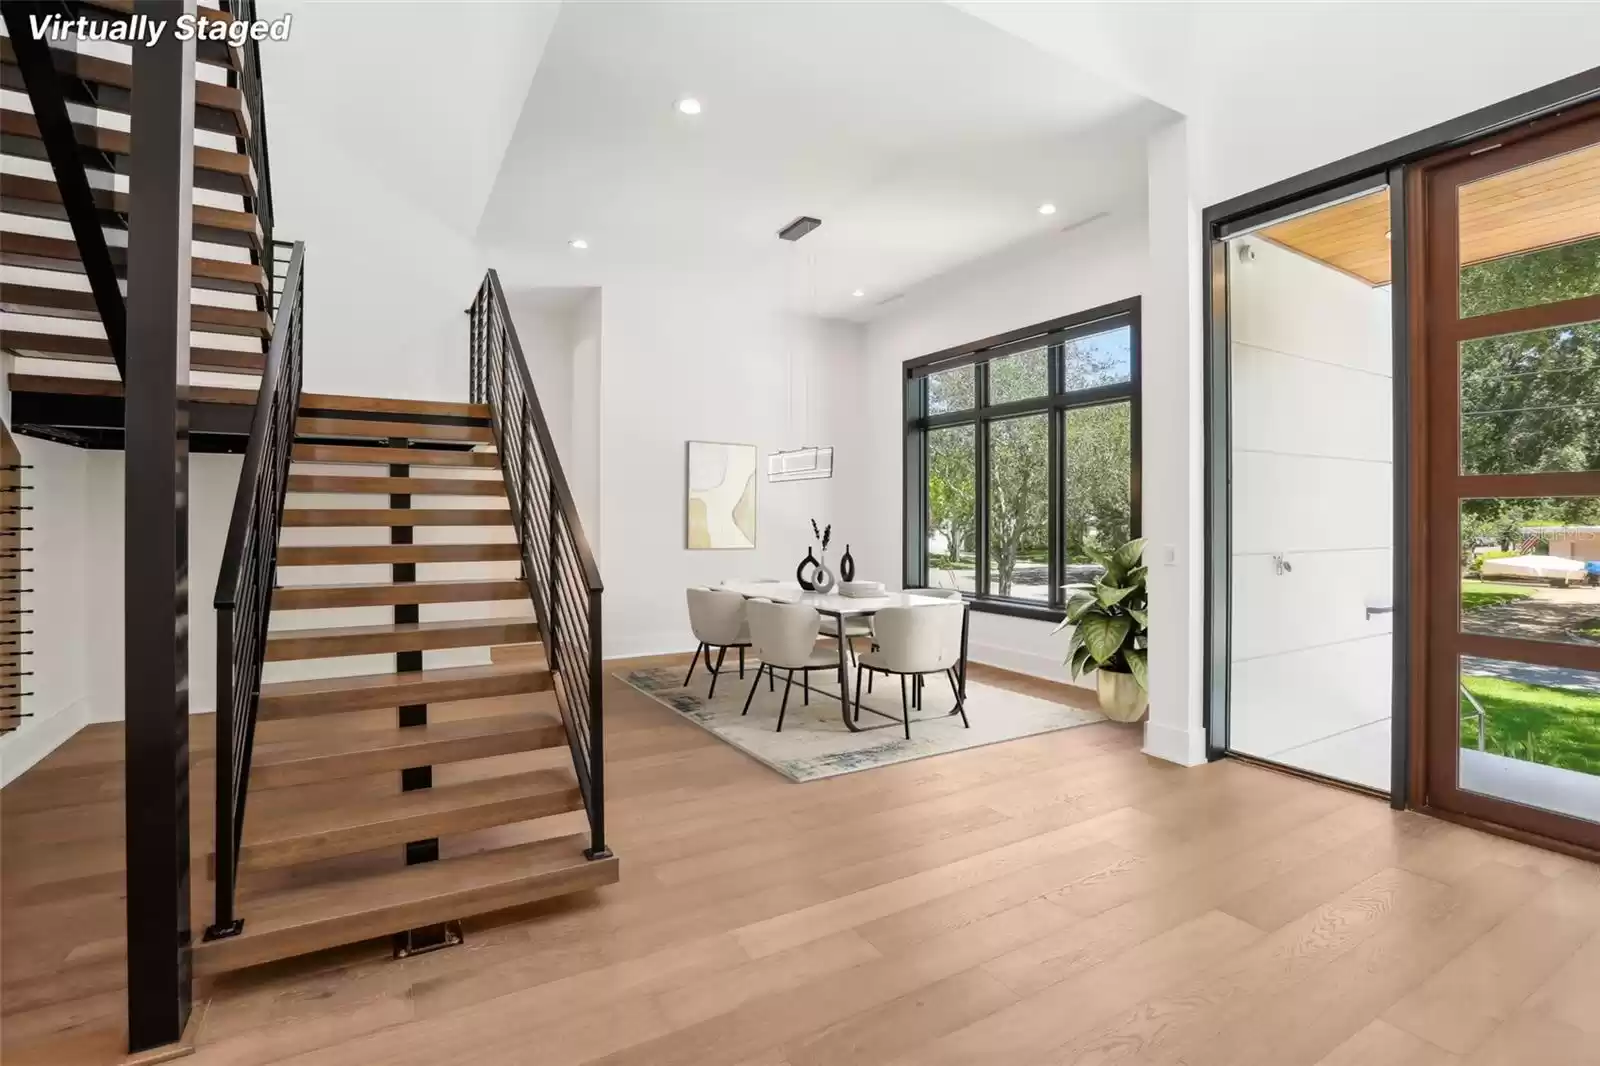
1110, 631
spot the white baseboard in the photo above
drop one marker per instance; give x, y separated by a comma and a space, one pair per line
1182, 746
21, 749
1023, 662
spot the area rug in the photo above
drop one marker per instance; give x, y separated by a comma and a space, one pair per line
815, 744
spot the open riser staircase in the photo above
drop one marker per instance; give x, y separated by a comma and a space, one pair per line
400, 745
66, 138
408, 726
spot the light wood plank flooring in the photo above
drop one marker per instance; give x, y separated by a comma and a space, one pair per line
1059, 899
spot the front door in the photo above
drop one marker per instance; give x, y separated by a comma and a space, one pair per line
1510, 345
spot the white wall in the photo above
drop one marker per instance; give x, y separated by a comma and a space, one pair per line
1312, 429
692, 358
77, 582
61, 651
1043, 279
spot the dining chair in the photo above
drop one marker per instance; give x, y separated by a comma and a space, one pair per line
937, 594
784, 635
914, 642
717, 618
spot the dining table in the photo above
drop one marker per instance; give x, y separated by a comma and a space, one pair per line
840, 607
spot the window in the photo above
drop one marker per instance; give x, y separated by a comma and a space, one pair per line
1022, 454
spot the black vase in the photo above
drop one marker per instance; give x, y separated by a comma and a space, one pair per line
847, 566
803, 572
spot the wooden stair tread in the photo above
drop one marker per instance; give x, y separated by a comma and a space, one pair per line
304, 597
39, 197
385, 486
39, 344
295, 699
46, 383
305, 834
300, 920
330, 755
215, 169
396, 516
218, 108
366, 455
79, 304
322, 426
370, 554
373, 405
286, 644
59, 254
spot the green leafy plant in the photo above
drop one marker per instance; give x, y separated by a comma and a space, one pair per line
1110, 619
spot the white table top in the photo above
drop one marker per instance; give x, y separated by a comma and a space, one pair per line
830, 602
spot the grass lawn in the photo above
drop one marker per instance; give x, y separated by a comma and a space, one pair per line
1553, 726
1479, 594
1590, 629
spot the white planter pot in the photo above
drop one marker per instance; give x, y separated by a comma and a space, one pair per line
1121, 697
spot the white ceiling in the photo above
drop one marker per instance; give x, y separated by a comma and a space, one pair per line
921, 136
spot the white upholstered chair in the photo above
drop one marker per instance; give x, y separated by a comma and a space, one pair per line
784, 636
915, 642
953, 595
718, 620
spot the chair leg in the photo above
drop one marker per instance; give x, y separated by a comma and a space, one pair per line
715, 673
961, 705
905, 708
741, 664
771, 680
754, 684
805, 679
858, 692
870, 675
783, 707
916, 693
694, 662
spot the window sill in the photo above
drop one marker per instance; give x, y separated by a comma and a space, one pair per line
1016, 609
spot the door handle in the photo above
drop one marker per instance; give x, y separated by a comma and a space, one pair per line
1371, 610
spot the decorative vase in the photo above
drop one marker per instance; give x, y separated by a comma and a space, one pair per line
847, 565
1121, 697
804, 571
822, 579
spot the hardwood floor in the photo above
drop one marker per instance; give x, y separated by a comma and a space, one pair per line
1058, 899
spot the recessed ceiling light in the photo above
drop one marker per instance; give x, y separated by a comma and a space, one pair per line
1047, 209
578, 243
689, 106
859, 292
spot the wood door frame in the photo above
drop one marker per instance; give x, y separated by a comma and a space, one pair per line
1432, 756
1398, 159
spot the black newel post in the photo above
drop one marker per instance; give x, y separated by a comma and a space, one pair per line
156, 545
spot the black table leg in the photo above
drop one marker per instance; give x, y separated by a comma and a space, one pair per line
844, 679
966, 616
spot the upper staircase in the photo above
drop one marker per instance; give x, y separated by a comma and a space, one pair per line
67, 113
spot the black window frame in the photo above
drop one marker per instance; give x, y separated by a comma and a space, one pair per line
1056, 403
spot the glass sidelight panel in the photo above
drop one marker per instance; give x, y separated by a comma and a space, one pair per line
1530, 402
1530, 569
1530, 735
1531, 235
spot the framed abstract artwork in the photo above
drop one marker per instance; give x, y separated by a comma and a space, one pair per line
720, 504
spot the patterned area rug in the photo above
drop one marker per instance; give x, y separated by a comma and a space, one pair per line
815, 743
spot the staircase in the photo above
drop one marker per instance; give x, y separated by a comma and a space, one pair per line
380, 767
65, 204
440, 786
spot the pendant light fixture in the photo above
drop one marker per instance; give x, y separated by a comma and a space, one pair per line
809, 462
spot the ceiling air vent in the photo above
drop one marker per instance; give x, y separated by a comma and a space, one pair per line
799, 228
